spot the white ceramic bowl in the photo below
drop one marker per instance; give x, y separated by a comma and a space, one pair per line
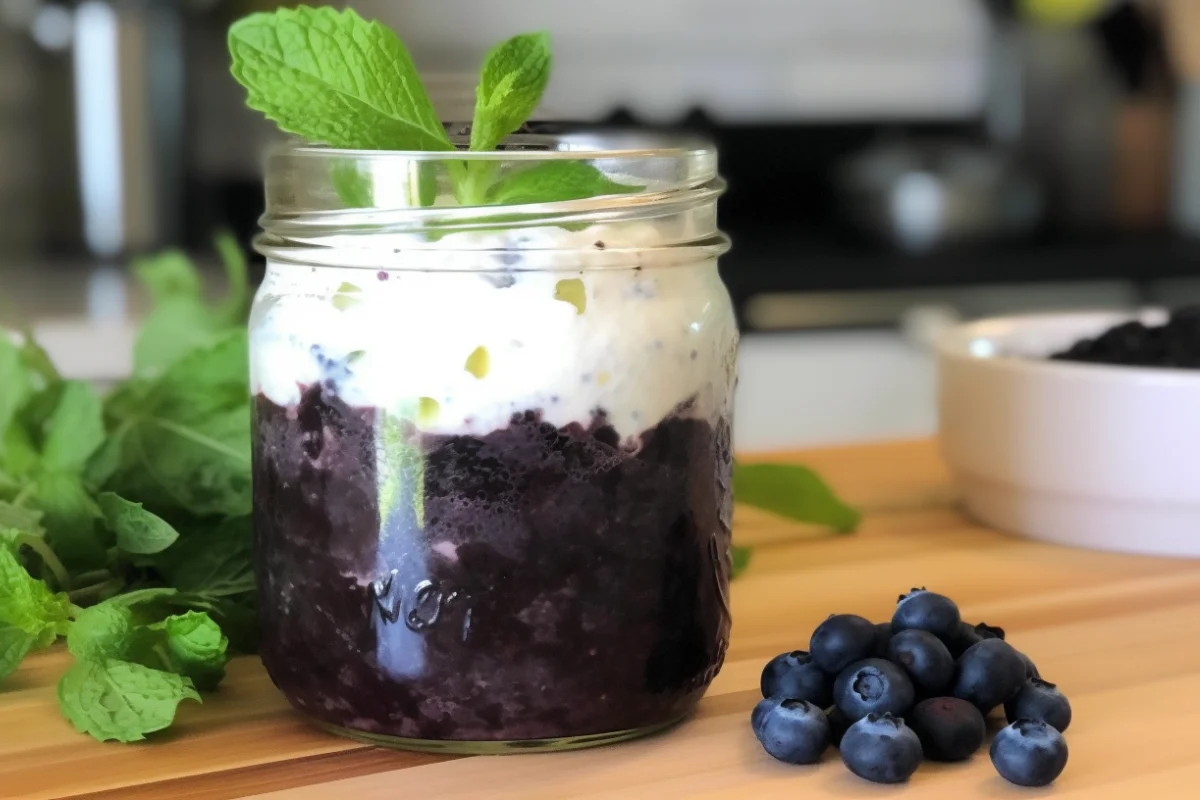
1088, 455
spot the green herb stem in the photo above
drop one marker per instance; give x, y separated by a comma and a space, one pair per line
38, 545
24, 494
94, 576
96, 592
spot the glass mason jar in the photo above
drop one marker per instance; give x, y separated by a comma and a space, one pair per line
492, 444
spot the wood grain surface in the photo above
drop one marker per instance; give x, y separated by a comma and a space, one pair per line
1119, 634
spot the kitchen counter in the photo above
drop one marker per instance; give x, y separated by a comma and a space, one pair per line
1119, 634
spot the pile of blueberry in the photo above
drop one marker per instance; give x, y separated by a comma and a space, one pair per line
1173, 344
890, 694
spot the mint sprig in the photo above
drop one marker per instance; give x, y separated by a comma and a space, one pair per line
334, 78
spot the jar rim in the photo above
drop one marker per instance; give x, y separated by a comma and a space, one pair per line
583, 145
380, 201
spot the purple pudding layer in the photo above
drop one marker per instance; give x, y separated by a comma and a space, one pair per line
531, 583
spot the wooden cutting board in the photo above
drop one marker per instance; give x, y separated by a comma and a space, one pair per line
1119, 634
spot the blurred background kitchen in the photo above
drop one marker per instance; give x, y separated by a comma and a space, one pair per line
893, 166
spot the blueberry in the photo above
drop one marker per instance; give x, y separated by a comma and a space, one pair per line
925, 659
797, 676
837, 725
881, 748
927, 611
949, 729
883, 635
986, 631
988, 674
1031, 670
790, 730
962, 638
873, 686
1029, 753
1040, 700
840, 641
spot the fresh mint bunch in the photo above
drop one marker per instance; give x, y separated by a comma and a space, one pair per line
124, 521
334, 78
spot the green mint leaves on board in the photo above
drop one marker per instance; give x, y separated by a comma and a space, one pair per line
115, 700
192, 645
182, 319
137, 530
792, 492
31, 616
124, 521
334, 78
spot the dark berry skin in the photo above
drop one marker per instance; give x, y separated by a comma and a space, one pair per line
926, 611
1040, 700
1029, 753
838, 724
840, 641
1031, 670
797, 676
949, 729
882, 749
986, 631
988, 674
873, 686
794, 731
883, 635
925, 659
961, 639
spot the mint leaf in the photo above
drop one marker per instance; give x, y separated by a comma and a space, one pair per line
103, 631
117, 700
104, 462
20, 456
168, 275
15, 380
195, 648
28, 605
236, 305
198, 465
335, 78
23, 520
75, 430
352, 187
514, 75
138, 531
69, 515
15, 644
740, 560
206, 380
555, 181
793, 492
181, 321
10, 540
177, 326
214, 565
42, 369
185, 438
